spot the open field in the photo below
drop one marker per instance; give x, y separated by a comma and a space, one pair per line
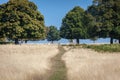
25, 62
53, 62
85, 64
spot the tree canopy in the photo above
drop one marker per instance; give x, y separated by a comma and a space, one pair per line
73, 25
20, 19
107, 18
53, 34
89, 24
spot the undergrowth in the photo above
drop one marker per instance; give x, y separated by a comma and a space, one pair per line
104, 47
99, 48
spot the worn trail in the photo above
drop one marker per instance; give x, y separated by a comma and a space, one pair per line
59, 70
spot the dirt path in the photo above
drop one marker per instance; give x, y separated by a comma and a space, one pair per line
84, 64
58, 71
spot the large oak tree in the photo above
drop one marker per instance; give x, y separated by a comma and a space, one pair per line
107, 18
20, 19
73, 25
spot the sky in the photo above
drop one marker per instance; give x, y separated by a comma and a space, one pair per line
55, 10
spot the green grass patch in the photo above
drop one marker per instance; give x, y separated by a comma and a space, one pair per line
99, 48
104, 47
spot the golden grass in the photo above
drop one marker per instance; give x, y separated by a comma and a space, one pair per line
84, 64
25, 62
33, 62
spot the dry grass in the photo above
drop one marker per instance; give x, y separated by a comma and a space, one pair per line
84, 64
33, 62
25, 62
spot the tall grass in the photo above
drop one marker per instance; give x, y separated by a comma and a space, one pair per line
85, 64
26, 62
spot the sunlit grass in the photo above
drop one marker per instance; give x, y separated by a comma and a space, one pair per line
26, 62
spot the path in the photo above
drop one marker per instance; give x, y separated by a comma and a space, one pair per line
59, 70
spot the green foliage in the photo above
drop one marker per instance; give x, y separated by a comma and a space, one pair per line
72, 24
53, 34
94, 39
117, 32
21, 20
89, 23
107, 17
2, 39
104, 48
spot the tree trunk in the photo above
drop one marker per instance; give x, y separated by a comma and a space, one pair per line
16, 41
52, 42
71, 41
25, 41
119, 41
111, 40
21, 41
77, 40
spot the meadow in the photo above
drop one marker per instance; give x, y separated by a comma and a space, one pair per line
26, 62
87, 64
56, 62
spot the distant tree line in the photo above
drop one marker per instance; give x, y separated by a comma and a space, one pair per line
100, 20
21, 20
53, 34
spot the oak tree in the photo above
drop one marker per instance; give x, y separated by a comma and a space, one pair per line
73, 25
53, 34
20, 19
107, 18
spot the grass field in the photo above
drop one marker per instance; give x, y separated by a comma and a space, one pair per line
86, 64
26, 62
53, 62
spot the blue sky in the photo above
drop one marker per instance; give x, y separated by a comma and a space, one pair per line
55, 10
